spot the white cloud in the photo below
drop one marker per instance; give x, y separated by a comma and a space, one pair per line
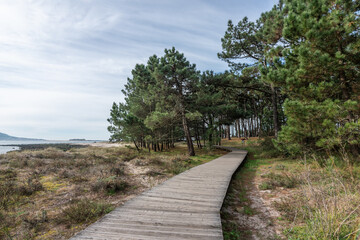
63, 62
56, 111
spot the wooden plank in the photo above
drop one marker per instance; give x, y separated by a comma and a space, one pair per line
186, 206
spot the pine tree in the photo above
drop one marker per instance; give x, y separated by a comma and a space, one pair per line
320, 74
252, 41
177, 81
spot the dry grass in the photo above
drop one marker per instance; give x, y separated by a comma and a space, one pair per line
317, 198
326, 205
52, 193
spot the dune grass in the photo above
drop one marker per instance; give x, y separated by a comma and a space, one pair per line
53, 193
318, 197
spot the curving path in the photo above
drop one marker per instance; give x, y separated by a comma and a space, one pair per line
186, 206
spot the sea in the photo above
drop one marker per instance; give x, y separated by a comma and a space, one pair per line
15, 145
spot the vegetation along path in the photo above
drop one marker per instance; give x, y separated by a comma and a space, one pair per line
185, 207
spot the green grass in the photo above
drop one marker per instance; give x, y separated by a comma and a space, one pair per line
84, 211
242, 196
322, 192
232, 232
248, 210
266, 186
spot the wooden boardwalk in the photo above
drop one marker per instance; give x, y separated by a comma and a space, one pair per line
186, 206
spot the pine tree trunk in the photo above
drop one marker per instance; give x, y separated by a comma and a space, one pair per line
198, 138
211, 131
204, 133
137, 147
238, 127
228, 132
243, 127
251, 127
172, 139
260, 128
187, 135
219, 135
275, 110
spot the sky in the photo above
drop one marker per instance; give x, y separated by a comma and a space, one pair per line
64, 62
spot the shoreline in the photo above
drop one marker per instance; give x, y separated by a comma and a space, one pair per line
62, 146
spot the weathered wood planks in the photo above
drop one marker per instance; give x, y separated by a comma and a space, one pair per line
186, 206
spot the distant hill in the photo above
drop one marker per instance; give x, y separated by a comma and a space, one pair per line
6, 137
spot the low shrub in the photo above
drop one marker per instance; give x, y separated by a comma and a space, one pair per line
84, 211
20, 162
128, 156
78, 179
269, 148
30, 187
232, 231
7, 190
282, 180
65, 174
51, 153
155, 160
153, 173
6, 223
83, 163
118, 171
176, 166
8, 173
248, 210
266, 186
111, 185
139, 162
280, 167
34, 223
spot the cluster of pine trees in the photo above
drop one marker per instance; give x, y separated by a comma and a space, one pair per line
294, 74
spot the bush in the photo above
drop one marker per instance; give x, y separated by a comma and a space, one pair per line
139, 162
20, 162
153, 173
5, 224
177, 166
155, 160
7, 174
266, 186
84, 211
232, 231
269, 148
110, 185
128, 156
35, 222
282, 180
65, 174
7, 190
30, 187
118, 171
51, 153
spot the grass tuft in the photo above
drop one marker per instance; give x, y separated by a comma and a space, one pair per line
85, 211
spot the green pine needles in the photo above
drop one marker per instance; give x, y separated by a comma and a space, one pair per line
294, 74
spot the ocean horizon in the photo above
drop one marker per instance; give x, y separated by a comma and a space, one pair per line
7, 146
